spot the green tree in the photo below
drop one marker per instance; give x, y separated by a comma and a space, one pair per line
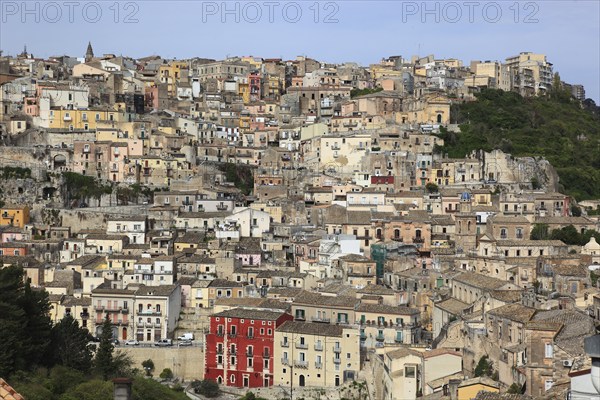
148, 366
95, 389
166, 374
539, 232
24, 322
62, 379
568, 235
206, 388
575, 210
484, 367
431, 187
104, 363
515, 388
71, 345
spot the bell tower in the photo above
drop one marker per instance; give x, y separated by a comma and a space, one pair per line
89, 54
465, 230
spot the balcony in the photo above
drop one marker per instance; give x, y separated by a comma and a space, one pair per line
222, 207
99, 308
265, 355
285, 344
219, 351
380, 338
232, 335
149, 313
125, 311
337, 349
418, 240
337, 361
318, 365
321, 319
220, 333
249, 354
301, 346
285, 361
397, 239
250, 336
300, 364
84, 315
319, 346
67, 118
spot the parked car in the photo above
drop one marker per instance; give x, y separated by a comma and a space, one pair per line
116, 342
164, 342
185, 343
132, 342
186, 336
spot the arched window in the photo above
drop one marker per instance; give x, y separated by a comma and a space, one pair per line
439, 118
397, 233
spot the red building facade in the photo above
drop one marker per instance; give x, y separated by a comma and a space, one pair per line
239, 347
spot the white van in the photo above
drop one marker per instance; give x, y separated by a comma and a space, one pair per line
186, 336
164, 342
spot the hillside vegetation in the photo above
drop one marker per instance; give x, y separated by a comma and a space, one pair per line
556, 127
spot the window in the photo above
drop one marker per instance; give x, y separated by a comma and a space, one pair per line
548, 384
548, 350
409, 372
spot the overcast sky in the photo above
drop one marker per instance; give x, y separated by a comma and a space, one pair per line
568, 32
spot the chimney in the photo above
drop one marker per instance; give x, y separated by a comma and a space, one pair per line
453, 387
122, 388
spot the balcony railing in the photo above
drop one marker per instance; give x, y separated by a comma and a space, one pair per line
321, 319
249, 354
285, 344
337, 349
301, 346
300, 364
418, 240
318, 365
319, 346
285, 361
380, 338
150, 312
337, 360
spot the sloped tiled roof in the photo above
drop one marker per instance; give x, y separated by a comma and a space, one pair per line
8, 393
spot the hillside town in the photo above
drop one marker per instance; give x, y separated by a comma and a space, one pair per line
296, 227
